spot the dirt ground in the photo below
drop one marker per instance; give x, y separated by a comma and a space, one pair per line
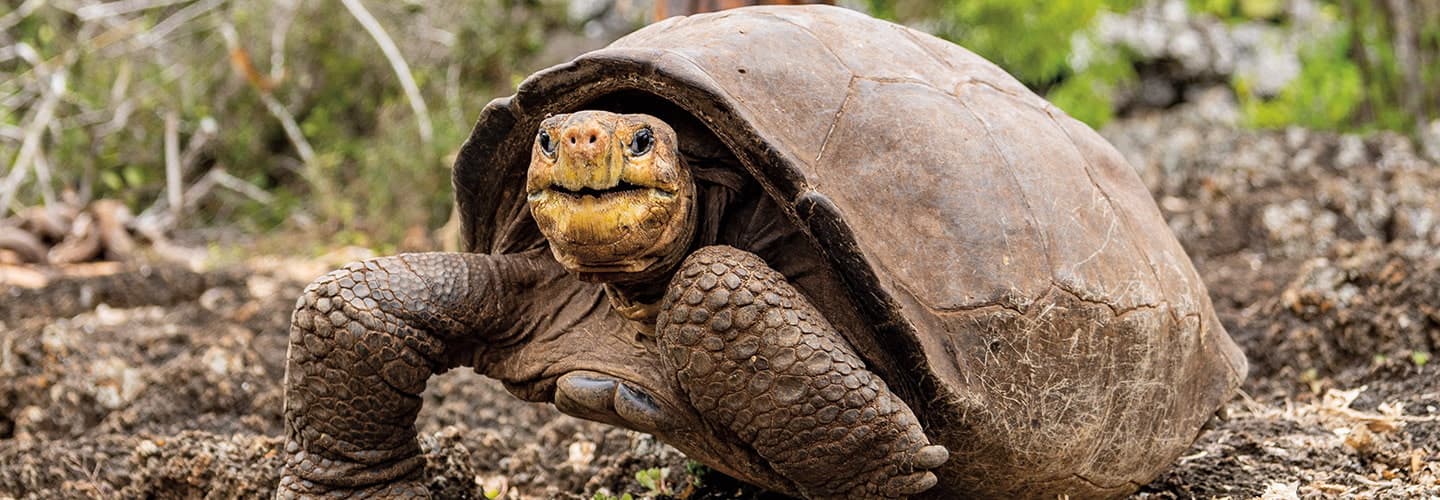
1320, 251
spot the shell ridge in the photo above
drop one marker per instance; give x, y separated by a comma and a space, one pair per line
1054, 285
815, 37
913, 35
839, 113
849, 86
1021, 98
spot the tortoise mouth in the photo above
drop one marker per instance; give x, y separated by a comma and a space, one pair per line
599, 226
623, 189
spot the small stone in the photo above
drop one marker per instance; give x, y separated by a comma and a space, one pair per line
147, 448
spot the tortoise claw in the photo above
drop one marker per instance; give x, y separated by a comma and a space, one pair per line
931, 456
912, 484
603, 398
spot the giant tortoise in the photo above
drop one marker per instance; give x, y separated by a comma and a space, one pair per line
823, 253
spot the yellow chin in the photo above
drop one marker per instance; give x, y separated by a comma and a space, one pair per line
609, 230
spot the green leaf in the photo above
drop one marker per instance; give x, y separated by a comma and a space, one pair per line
652, 479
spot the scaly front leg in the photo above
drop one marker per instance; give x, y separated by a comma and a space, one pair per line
756, 358
363, 342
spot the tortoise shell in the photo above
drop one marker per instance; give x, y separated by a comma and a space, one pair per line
1049, 329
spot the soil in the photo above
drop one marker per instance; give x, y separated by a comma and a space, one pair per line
1319, 251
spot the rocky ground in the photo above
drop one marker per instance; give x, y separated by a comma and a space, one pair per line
126, 380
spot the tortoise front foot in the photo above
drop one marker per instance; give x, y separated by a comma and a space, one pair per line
755, 357
364, 340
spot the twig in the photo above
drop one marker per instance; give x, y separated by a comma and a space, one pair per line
397, 63
238, 185
191, 156
172, 163
13, 17
176, 20
120, 116
283, 19
292, 129
153, 215
30, 145
11, 132
42, 177
199, 189
452, 92
1364, 416
98, 11
287, 121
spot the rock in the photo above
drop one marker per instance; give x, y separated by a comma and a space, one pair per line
1430, 140
1182, 47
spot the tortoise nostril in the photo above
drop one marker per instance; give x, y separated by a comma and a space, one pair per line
572, 139
592, 138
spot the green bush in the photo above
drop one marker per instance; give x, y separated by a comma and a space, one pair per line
1324, 95
1365, 76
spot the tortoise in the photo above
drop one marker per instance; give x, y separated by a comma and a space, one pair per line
823, 253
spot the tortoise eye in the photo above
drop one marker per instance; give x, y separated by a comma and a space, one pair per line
643, 142
546, 145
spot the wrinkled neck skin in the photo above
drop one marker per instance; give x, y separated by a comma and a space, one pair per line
648, 285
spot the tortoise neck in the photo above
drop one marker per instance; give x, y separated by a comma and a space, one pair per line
713, 191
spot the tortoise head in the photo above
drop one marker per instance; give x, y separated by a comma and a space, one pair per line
611, 195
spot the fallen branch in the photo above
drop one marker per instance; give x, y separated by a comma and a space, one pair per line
155, 221
28, 247
397, 63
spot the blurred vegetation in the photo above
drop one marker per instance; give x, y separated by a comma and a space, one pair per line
371, 174
1379, 69
359, 166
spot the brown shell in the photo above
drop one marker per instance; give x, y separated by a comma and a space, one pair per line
1062, 339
